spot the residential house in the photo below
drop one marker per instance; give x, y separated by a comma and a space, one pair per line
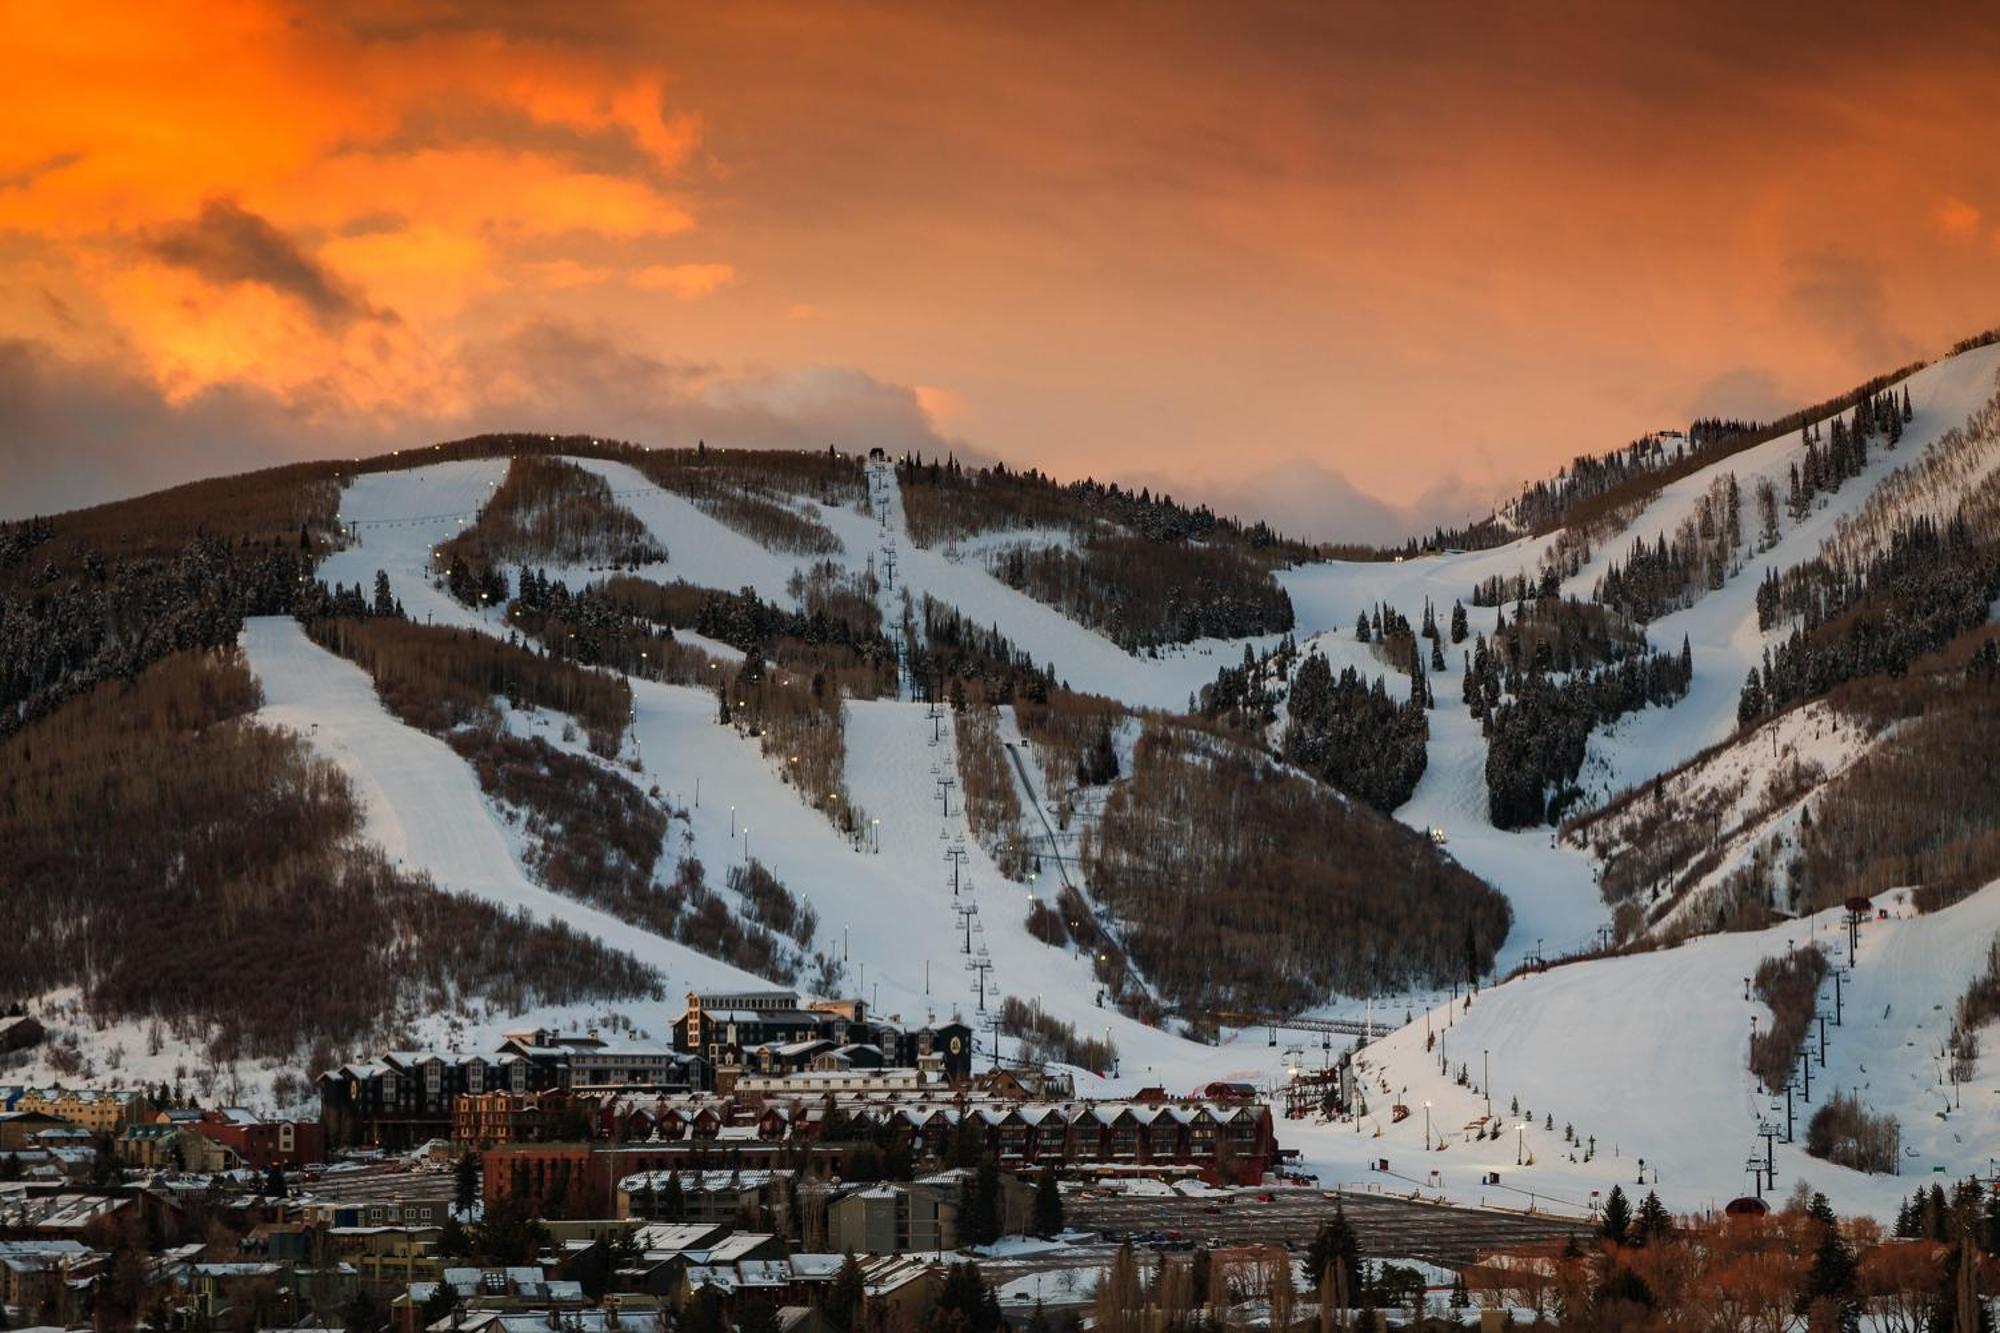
155, 1147
262, 1144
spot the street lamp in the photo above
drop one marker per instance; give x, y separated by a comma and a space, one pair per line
1427, 1125
1520, 1140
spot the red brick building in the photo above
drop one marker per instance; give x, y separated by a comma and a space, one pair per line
262, 1144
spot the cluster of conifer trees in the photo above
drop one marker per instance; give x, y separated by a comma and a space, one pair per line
1665, 577
65, 628
1552, 677
946, 499
1352, 734
1929, 585
961, 661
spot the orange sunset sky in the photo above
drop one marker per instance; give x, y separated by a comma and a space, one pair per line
1353, 266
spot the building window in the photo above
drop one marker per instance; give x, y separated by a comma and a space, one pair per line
475, 1077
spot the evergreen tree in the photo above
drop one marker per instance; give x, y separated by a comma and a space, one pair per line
1750, 703
1653, 1222
1099, 764
843, 1297
1617, 1219
1048, 1205
1831, 1277
1458, 625
703, 1312
465, 1183
982, 1205
1335, 1249
439, 1304
360, 1314
452, 1242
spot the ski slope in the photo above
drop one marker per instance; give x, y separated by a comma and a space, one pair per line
1644, 1052
423, 806
1648, 1054
394, 520
700, 550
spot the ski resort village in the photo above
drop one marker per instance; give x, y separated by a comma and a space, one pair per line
561, 879
1089, 668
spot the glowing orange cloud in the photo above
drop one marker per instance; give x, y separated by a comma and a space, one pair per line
1430, 253
687, 281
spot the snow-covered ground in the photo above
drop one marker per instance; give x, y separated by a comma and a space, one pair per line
1752, 790
1646, 1053
423, 805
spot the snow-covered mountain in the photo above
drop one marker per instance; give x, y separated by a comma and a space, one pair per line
1644, 1052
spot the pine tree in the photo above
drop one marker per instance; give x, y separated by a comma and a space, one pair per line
452, 1242
1750, 704
1653, 1222
465, 1184
1617, 1219
1458, 626
1048, 1205
843, 1298
983, 1205
1335, 1249
360, 1314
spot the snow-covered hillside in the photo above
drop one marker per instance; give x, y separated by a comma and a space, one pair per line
1646, 1052
1648, 1055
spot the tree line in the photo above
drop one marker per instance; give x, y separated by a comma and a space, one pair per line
1241, 885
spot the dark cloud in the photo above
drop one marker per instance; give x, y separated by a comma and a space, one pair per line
611, 151
1748, 393
73, 434
226, 243
28, 175
374, 224
1844, 297
1306, 499
577, 378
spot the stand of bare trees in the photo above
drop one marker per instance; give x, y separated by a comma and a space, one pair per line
992, 807
174, 859
1244, 885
